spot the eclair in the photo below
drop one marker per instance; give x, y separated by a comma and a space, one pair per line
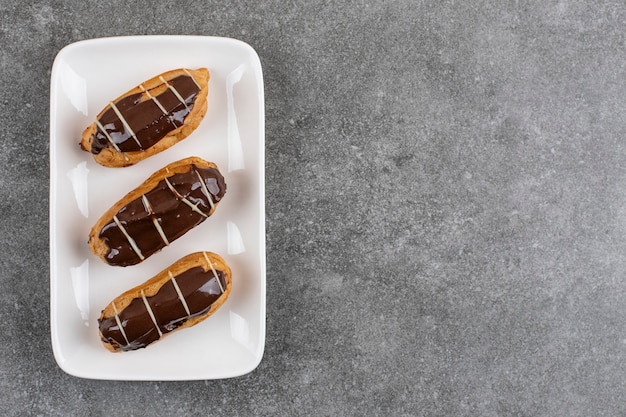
168, 204
149, 118
180, 296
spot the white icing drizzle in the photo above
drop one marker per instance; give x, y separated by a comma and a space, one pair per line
157, 226
125, 123
192, 78
119, 323
153, 98
151, 313
155, 222
183, 199
173, 90
206, 256
180, 293
146, 204
205, 190
108, 136
132, 242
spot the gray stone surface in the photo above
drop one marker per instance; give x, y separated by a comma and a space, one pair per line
446, 208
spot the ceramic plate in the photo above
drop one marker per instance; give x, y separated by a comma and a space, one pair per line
85, 76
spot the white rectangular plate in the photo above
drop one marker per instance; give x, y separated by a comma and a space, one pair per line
85, 76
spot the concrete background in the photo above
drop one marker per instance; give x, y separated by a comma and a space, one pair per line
446, 208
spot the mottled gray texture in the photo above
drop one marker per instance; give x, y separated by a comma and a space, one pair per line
446, 208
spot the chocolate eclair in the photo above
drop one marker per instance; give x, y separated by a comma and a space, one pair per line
149, 118
172, 201
180, 296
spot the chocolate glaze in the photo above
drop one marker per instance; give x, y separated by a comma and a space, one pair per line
145, 118
200, 290
168, 208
